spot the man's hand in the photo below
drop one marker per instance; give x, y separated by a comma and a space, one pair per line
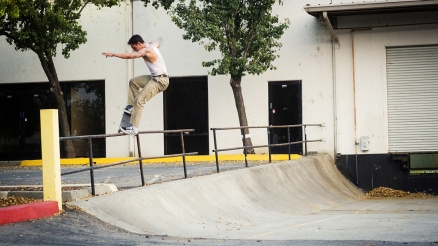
108, 54
155, 43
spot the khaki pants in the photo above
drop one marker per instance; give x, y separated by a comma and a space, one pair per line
137, 97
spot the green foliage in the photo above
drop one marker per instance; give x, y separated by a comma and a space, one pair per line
157, 3
40, 25
244, 31
8, 6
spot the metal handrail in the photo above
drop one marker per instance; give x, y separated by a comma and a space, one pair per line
139, 159
269, 145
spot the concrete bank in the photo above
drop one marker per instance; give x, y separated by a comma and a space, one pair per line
305, 199
239, 204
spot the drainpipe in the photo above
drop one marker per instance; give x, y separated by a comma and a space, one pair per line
329, 26
335, 44
335, 98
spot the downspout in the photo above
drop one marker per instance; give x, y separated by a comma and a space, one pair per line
330, 27
335, 40
335, 98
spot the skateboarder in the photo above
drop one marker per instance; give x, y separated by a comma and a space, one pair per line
142, 88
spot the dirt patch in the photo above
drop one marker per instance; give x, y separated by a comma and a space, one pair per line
384, 192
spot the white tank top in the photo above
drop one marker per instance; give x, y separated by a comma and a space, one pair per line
158, 67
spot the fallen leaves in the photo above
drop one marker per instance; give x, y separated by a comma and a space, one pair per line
383, 192
13, 200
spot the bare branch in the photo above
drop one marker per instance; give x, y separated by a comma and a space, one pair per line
85, 4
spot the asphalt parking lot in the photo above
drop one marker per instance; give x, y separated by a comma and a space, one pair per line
123, 176
75, 227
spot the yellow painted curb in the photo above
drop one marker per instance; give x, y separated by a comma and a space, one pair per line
195, 158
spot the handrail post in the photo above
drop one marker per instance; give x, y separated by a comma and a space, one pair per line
140, 161
184, 154
288, 141
305, 140
269, 143
90, 145
244, 147
215, 150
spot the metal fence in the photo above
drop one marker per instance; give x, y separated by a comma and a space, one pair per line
140, 159
269, 145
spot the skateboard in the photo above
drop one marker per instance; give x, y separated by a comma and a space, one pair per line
126, 118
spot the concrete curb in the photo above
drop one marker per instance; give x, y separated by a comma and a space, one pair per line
9, 163
38, 210
67, 196
25, 212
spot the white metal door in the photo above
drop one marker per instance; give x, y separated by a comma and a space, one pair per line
412, 79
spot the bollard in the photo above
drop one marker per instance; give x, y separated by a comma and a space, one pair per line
50, 156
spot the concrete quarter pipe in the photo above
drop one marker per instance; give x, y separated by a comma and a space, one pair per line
305, 199
247, 203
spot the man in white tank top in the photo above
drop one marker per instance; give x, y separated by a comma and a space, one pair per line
143, 88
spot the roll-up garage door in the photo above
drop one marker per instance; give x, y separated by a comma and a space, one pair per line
412, 78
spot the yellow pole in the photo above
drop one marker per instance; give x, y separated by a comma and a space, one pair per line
50, 156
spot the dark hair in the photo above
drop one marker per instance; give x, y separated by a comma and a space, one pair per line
135, 39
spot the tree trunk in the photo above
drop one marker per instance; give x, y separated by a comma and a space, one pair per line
52, 76
63, 122
240, 106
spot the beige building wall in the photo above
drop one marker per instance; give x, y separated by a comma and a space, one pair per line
305, 55
308, 54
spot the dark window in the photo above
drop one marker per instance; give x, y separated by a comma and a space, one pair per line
20, 105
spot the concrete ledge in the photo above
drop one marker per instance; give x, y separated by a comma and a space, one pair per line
4, 194
70, 195
9, 163
25, 212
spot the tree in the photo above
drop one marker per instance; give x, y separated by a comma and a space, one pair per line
245, 32
9, 7
39, 26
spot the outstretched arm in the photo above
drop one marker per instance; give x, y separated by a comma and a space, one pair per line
123, 55
146, 52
